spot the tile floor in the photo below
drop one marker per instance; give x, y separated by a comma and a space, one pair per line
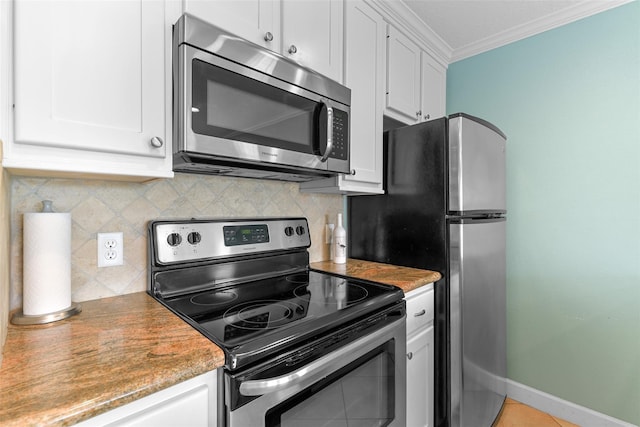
516, 414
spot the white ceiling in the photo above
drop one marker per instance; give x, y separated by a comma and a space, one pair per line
469, 27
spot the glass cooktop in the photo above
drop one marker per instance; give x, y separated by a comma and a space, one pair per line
274, 311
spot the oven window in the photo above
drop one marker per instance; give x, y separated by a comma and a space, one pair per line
362, 394
231, 106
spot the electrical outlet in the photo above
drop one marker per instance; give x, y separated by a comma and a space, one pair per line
110, 249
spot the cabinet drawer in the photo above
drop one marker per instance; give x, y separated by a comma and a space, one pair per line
419, 308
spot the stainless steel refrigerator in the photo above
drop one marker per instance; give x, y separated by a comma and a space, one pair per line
444, 209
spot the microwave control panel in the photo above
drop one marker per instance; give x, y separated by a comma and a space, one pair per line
340, 135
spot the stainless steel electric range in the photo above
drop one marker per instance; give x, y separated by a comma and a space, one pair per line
294, 338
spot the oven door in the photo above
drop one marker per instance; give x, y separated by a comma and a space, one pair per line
228, 110
363, 382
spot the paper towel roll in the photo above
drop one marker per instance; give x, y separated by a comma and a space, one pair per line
46, 263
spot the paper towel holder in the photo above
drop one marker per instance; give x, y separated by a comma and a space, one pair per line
37, 317
19, 318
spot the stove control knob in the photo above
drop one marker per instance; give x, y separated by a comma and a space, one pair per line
174, 239
288, 231
299, 230
194, 237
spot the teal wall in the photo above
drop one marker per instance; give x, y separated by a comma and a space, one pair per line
569, 101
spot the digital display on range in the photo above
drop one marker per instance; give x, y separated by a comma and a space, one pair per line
235, 235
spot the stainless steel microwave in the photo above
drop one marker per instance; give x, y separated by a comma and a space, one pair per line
242, 110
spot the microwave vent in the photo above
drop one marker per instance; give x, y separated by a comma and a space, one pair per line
224, 167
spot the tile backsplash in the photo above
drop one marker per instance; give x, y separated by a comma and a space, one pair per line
108, 206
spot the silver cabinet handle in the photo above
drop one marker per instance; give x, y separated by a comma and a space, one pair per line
420, 313
410, 355
293, 49
268, 36
353, 172
418, 114
157, 142
427, 117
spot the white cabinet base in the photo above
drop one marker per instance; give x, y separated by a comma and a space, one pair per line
191, 403
420, 357
420, 379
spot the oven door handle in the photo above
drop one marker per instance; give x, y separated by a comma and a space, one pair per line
319, 368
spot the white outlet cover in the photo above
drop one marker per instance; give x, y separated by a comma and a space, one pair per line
110, 249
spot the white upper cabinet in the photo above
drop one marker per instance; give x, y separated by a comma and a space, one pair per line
90, 89
434, 88
403, 77
5, 72
416, 83
312, 34
309, 32
364, 74
255, 20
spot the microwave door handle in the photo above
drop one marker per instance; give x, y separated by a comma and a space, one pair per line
327, 151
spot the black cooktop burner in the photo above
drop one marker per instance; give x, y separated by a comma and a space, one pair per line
262, 314
214, 298
297, 278
339, 294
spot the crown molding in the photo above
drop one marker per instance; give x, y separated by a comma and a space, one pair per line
566, 16
397, 13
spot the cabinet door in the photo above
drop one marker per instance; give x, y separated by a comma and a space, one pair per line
434, 86
364, 74
5, 72
312, 34
191, 403
84, 90
255, 20
403, 77
364, 41
79, 83
420, 379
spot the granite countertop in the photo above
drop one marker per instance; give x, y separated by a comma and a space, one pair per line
121, 349
405, 278
117, 350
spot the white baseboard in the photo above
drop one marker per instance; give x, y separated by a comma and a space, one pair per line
560, 408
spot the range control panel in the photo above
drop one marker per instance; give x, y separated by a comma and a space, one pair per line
245, 234
193, 240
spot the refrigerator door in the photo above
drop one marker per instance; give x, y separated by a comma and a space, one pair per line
478, 320
476, 166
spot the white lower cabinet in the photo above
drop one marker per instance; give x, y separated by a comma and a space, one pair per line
420, 379
190, 403
420, 357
